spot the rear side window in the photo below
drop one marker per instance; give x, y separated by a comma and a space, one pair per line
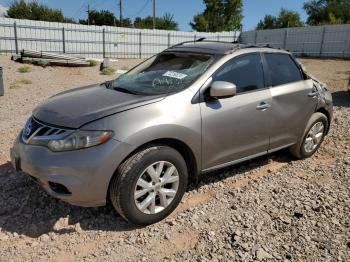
282, 69
245, 72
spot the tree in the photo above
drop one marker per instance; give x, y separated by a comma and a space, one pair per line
219, 15
165, 23
286, 18
35, 11
104, 17
322, 12
269, 22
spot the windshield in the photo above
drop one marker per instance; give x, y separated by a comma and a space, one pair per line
163, 74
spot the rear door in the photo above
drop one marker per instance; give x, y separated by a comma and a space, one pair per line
293, 99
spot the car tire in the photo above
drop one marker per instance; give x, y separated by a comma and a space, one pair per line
133, 178
305, 147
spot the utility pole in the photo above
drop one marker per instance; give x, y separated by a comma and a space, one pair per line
88, 12
154, 14
121, 13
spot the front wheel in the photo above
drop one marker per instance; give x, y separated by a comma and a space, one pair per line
312, 138
149, 185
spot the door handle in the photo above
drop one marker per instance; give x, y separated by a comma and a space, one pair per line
313, 94
263, 106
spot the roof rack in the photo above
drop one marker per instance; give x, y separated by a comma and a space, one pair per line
186, 42
203, 39
262, 45
235, 47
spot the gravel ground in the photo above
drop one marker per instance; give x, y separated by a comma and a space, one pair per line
270, 208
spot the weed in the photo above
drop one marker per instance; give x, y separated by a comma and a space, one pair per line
24, 69
93, 62
43, 63
108, 71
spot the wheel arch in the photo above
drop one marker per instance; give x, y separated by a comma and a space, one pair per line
180, 146
322, 110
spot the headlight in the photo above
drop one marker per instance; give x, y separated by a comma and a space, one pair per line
80, 139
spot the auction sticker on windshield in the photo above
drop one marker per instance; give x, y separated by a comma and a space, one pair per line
175, 75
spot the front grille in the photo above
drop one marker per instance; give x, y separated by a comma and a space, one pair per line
35, 131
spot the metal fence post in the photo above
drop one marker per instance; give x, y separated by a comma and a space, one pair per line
16, 37
1, 83
104, 42
285, 38
322, 40
218, 38
63, 41
140, 45
194, 38
168, 39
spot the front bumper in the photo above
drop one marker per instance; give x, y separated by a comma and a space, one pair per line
84, 173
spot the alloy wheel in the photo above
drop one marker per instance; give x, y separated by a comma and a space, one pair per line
314, 137
156, 187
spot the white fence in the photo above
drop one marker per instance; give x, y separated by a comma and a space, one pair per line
93, 41
315, 41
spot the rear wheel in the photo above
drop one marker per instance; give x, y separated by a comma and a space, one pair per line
149, 185
312, 138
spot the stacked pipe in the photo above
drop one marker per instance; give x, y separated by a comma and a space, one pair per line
37, 57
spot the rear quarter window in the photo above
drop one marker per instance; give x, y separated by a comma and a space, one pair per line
282, 69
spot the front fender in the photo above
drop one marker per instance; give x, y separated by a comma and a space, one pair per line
172, 118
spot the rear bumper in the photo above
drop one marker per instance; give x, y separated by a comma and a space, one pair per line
85, 174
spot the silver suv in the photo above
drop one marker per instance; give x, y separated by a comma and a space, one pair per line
193, 108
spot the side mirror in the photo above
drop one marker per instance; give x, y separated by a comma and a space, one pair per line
221, 89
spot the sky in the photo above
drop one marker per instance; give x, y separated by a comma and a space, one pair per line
183, 10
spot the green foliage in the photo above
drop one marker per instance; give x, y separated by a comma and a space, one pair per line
165, 23
43, 63
286, 18
108, 71
322, 12
20, 9
35, 11
17, 84
269, 22
26, 81
105, 17
200, 23
93, 62
219, 15
24, 69
102, 17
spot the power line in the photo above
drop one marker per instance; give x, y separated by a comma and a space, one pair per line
139, 11
99, 3
81, 8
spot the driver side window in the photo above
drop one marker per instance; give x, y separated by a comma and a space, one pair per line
245, 72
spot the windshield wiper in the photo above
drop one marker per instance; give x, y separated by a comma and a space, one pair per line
124, 90
108, 84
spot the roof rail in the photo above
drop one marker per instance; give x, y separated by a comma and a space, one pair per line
235, 44
185, 42
262, 45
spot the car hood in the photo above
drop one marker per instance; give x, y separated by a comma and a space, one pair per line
79, 106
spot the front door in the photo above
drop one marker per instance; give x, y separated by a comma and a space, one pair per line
237, 127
